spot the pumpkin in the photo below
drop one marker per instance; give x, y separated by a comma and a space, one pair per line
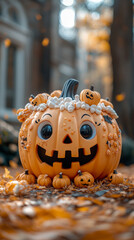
66, 134
106, 102
40, 98
115, 177
44, 180
56, 93
23, 114
61, 181
30, 178
83, 179
90, 96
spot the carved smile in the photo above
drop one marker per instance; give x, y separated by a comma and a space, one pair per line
67, 161
89, 97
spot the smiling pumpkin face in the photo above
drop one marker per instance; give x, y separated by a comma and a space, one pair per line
90, 96
54, 140
67, 142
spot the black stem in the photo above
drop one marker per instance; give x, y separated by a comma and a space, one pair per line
32, 96
26, 172
115, 172
92, 88
69, 88
80, 173
107, 99
60, 175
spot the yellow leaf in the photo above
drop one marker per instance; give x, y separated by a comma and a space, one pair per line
83, 209
7, 42
45, 42
7, 174
13, 164
120, 97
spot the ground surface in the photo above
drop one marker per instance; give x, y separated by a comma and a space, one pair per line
103, 211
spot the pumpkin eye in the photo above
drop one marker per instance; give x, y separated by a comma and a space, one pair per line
45, 130
87, 130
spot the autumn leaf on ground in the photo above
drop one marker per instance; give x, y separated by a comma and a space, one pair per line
7, 174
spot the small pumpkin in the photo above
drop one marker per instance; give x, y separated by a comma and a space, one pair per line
56, 93
90, 96
115, 177
83, 179
23, 114
44, 180
106, 102
40, 98
30, 178
61, 181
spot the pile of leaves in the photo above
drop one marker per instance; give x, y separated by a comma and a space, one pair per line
102, 211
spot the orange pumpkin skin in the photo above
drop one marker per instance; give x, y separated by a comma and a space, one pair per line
115, 178
106, 102
56, 93
84, 179
30, 178
66, 150
90, 96
61, 181
40, 98
44, 180
104, 162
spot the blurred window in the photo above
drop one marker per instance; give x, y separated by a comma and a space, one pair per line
13, 13
67, 20
10, 79
0, 10
14, 55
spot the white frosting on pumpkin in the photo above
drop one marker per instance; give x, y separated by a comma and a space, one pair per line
70, 105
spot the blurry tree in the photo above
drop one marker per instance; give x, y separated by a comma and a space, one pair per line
122, 58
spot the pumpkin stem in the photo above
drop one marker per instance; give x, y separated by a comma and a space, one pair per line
80, 173
92, 88
26, 172
60, 175
69, 88
115, 172
32, 96
107, 98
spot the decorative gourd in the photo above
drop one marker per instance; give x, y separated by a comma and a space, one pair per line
61, 181
115, 178
83, 179
23, 114
40, 98
56, 93
66, 134
89, 96
44, 180
30, 178
106, 102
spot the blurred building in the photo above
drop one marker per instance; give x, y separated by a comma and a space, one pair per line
24, 63
45, 42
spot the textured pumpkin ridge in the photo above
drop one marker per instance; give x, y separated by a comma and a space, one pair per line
109, 166
97, 165
33, 166
23, 135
